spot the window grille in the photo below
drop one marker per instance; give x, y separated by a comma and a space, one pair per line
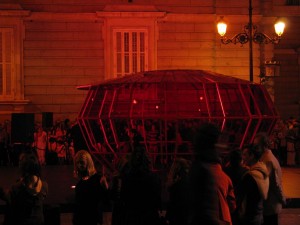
6, 63
130, 51
293, 2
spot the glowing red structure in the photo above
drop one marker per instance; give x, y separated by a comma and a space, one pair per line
165, 107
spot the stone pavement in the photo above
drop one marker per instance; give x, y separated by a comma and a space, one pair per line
291, 182
288, 216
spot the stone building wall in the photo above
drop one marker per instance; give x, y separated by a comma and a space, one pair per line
63, 44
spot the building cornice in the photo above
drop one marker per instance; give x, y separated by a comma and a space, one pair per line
14, 13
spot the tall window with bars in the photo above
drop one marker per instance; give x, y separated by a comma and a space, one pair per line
130, 51
6, 63
293, 2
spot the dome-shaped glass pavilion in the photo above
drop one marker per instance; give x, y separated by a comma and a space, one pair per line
165, 107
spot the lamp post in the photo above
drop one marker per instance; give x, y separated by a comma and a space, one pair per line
250, 35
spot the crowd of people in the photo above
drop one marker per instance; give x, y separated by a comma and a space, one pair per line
247, 190
54, 145
58, 144
285, 142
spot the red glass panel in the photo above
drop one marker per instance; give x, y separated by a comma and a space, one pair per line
174, 103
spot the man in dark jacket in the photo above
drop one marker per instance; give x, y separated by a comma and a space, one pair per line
254, 188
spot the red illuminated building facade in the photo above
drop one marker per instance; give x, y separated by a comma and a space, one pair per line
50, 47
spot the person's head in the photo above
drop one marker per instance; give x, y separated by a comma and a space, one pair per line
83, 164
52, 140
30, 172
251, 154
180, 168
59, 141
235, 157
67, 122
139, 160
205, 138
262, 140
135, 137
29, 165
40, 129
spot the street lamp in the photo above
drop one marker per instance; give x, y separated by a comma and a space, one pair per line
250, 35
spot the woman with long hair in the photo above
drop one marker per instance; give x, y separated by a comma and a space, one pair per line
90, 191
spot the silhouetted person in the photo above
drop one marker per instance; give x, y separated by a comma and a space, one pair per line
141, 189
40, 144
236, 169
115, 191
212, 196
77, 137
177, 208
254, 188
275, 200
25, 198
4, 142
90, 191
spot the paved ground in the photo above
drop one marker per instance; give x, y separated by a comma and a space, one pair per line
291, 182
287, 217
